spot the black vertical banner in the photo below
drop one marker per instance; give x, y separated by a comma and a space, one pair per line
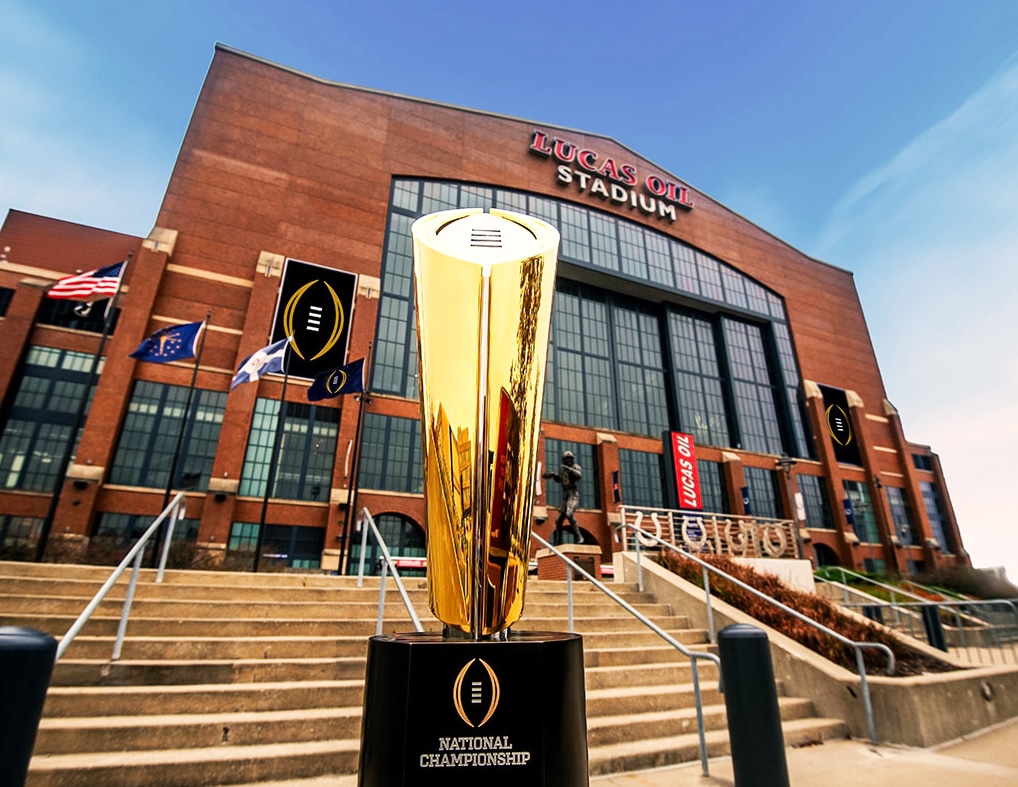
315, 307
839, 425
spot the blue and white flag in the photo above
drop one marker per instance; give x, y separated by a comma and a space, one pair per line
346, 379
264, 361
175, 343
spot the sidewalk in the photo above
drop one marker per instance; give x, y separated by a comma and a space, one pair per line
989, 759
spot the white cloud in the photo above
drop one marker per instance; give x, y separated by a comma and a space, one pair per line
933, 239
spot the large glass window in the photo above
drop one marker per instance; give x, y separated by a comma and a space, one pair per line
865, 521
698, 385
814, 498
403, 538
41, 417
19, 537
640, 473
728, 374
391, 454
307, 451
935, 511
901, 515
282, 545
585, 455
152, 427
763, 492
579, 386
643, 405
713, 489
753, 394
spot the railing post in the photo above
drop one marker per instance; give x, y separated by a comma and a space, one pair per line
381, 599
639, 564
122, 628
710, 608
867, 704
364, 549
169, 538
700, 727
569, 596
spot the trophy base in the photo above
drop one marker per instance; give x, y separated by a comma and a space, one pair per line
458, 712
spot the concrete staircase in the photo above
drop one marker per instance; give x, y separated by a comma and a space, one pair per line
230, 678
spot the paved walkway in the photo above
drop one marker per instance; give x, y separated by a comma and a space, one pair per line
989, 759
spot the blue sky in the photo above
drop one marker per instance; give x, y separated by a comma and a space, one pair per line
879, 136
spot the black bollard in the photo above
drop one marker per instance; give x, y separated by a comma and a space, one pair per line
26, 663
934, 628
751, 699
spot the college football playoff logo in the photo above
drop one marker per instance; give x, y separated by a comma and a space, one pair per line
314, 308
476, 692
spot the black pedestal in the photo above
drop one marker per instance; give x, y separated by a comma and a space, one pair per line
457, 712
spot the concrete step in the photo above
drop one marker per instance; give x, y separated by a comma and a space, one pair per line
201, 627
25, 587
671, 750
165, 672
619, 657
214, 648
339, 607
642, 637
607, 730
627, 700
189, 767
189, 731
646, 676
64, 701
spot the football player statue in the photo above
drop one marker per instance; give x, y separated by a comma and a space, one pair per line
568, 475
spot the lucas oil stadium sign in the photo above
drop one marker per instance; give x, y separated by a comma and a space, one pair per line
614, 181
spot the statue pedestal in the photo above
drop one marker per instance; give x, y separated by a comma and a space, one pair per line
457, 713
586, 556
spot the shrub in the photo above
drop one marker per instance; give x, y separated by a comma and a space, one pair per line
907, 660
978, 583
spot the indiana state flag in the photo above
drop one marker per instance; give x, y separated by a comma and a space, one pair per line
344, 380
170, 344
264, 361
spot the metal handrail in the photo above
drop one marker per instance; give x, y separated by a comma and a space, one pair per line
855, 575
857, 646
968, 615
692, 655
387, 565
175, 510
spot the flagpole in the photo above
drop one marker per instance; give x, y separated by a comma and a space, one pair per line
180, 433
79, 417
280, 421
355, 465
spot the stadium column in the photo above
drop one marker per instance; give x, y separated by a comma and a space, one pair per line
16, 328
607, 462
864, 427
80, 497
846, 538
923, 537
221, 507
735, 481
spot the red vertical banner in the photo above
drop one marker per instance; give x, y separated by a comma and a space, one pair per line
687, 474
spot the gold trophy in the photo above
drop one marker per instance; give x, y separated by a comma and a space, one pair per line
484, 284
478, 703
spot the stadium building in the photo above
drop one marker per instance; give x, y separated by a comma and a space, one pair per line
680, 331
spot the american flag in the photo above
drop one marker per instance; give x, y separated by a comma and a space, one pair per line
93, 285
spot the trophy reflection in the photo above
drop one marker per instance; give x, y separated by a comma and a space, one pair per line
484, 289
